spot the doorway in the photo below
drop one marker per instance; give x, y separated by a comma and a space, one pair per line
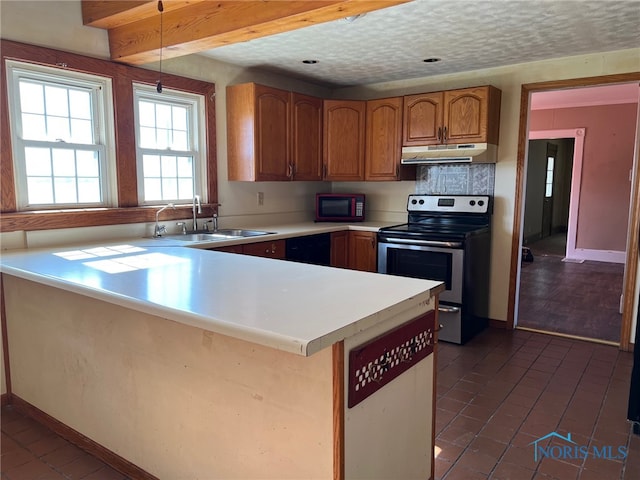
630, 255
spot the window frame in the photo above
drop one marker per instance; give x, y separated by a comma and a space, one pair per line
195, 105
126, 208
103, 126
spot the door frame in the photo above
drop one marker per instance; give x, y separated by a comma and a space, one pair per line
631, 264
578, 135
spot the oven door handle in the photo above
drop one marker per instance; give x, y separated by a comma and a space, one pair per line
426, 243
448, 309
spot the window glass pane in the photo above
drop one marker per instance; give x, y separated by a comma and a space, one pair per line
550, 161
147, 113
33, 127
37, 161
147, 137
40, 190
87, 164
162, 138
179, 140
152, 189
151, 165
548, 191
169, 188
163, 116
56, 101
169, 166
31, 98
81, 131
185, 188
179, 118
89, 190
65, 190
80, 104
58, 129
64, 163
550, 176
185, 167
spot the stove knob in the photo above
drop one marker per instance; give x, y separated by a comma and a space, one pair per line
472, 202
414, 201
481, 202
421, 202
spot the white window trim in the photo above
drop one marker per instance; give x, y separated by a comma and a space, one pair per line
198, 136
104, 123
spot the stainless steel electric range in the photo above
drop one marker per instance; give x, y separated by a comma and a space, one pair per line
447, 238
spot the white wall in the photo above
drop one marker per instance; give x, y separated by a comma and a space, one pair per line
58, 24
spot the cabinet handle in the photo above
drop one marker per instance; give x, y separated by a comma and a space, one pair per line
397, 171
444, 139
439, 134
290, 172
324, 171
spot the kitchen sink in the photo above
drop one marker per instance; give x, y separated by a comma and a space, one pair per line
218, 235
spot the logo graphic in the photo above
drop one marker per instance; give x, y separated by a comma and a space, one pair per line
570, 449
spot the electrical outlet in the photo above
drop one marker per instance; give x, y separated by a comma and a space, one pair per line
260, 198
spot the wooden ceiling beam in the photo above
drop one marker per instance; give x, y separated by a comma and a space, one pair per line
194, 26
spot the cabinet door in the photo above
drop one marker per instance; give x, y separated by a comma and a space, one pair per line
273, 249
272, 134
306, 137
383, 139
257, 133
340, 249
422, 123
344, 132
228, 249
363, 251
465, 115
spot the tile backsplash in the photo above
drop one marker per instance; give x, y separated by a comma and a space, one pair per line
456, 178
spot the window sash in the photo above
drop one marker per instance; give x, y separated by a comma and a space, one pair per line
195, 143
28, 196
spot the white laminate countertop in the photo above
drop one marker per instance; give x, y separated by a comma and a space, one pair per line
290, 306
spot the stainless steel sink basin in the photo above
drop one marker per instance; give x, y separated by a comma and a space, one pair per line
234, 232
218, 235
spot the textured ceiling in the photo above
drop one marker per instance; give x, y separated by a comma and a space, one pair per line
390, 44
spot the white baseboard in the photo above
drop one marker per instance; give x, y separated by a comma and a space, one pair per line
609, 256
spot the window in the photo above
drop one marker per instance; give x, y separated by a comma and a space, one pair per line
168, 145
61, 122
548, 192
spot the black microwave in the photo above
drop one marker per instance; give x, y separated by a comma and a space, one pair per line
339, 207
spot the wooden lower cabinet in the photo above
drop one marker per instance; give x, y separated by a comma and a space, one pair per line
353, 249
363, 251
340, 249
272, 249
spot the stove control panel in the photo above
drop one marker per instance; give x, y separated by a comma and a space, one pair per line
449, 203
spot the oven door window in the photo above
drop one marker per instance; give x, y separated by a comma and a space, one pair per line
429, 265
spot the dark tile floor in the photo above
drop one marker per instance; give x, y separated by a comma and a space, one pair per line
581, 299
495, 395
504, 390
30, 451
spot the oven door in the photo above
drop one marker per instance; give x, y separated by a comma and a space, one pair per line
431, 260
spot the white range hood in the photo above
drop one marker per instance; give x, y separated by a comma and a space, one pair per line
462, 153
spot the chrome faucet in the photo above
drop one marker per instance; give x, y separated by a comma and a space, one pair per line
196, 203
158, 230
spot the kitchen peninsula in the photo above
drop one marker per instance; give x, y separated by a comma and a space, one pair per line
200, 364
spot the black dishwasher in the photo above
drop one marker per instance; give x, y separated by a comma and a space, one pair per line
315, 249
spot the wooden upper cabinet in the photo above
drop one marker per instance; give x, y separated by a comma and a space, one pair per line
422, 119
306, 137
455, 116
257, 133
344, 140
383, 139
272, 134
472, 115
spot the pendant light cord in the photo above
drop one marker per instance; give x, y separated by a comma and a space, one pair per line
159, 82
